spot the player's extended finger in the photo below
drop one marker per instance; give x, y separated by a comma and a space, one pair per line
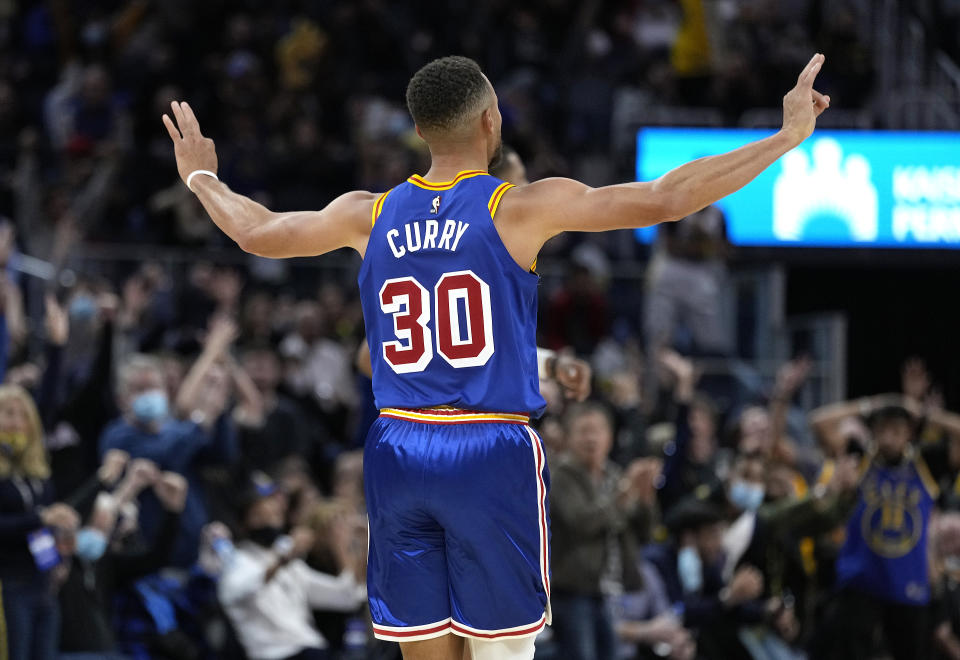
809, 73
190, 118
178, 114
171, 128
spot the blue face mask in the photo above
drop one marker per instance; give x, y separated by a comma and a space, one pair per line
690, 569
746, 496
91, 544
151, 406
82, 308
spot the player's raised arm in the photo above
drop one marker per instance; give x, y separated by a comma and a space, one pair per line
345, 222
556, 205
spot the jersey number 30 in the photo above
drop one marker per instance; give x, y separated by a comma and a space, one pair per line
409, 303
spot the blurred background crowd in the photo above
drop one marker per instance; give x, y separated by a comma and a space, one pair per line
181, 423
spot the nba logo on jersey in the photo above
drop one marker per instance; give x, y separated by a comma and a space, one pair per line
435, 205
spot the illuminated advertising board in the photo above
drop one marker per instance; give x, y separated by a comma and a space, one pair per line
845, 189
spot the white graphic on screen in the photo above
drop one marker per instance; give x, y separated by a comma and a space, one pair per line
830, 186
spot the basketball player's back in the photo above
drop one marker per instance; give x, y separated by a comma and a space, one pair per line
451, 466
446, 307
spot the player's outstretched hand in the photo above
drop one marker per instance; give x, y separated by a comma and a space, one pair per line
803, 104
193, 151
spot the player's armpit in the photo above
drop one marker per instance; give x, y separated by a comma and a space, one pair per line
345, 222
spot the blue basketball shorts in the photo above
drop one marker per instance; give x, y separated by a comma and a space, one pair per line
459, 525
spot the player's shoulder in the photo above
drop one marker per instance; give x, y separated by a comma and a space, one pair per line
548, 189
357, 200
542, 195
356, 206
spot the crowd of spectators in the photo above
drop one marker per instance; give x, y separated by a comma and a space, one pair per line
180, 474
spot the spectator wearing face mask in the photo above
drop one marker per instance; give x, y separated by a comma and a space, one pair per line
691, 567
29, 521
268, 591
777, 532
100, 567
147, 429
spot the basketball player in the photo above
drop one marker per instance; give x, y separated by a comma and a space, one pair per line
570, 373
456, 480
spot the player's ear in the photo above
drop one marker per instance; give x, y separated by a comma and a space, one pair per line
488, 121
417, 128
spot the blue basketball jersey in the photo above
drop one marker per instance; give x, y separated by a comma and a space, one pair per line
450, 316
885, 552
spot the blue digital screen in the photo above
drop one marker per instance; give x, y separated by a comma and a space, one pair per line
838, 189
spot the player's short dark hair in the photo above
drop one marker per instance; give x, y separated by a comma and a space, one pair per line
445, 92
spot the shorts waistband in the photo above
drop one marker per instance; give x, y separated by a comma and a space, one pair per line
447, 415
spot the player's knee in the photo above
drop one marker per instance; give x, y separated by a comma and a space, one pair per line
502, 649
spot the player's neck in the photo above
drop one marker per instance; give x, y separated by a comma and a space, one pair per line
446, 165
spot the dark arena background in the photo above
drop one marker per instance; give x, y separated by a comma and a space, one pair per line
767, 465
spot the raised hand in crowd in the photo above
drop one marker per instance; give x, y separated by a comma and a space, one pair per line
250, 410
573, 375
56, 323
783, 616
303, 539
112, 467
171, 489
61, 516
8, 236
745, 585
141, 473
108, 304
638, 483
216, 548
846, 474
790, 377
205, 389
134, 301
682, 372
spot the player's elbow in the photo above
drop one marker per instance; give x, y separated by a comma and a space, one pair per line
255, 242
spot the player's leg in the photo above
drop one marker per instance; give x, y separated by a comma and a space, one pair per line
501, 649
492, 503
448, 647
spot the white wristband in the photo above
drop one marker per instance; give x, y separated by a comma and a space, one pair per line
195, 173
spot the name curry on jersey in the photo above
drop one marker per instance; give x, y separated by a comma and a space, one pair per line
426, 235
